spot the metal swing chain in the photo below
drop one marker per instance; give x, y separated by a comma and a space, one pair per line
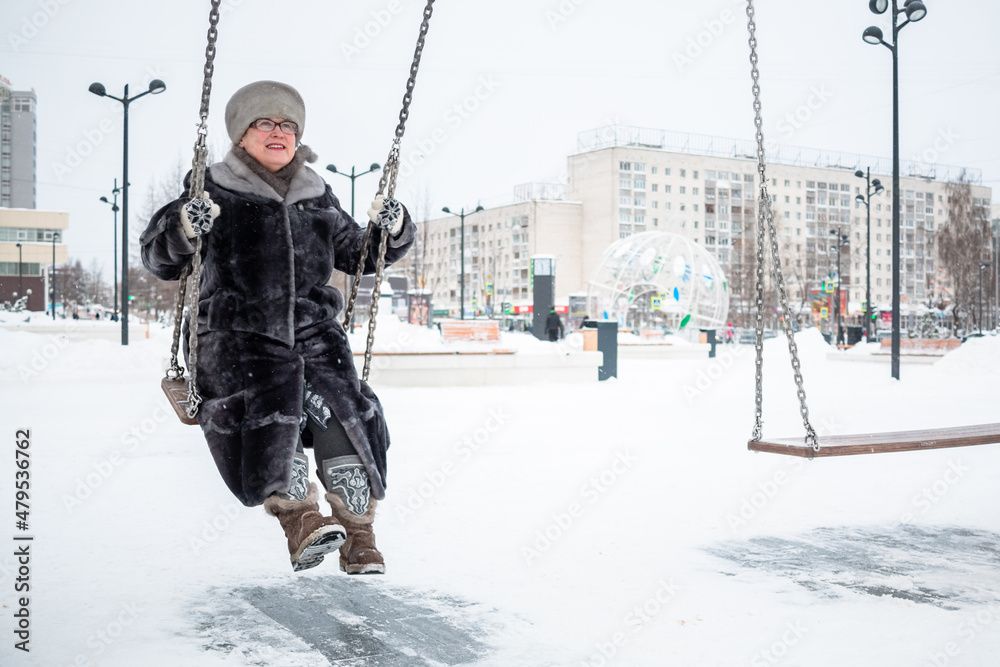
765, 216
193, 269
386, 184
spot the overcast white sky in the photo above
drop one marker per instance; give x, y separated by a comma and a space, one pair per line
543, 70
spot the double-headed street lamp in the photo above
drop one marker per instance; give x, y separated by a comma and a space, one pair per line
374, 167
982, 267
842, 240
353, 176
155, 87
114, 208
872, 187
55, 237
914, 10
461, 282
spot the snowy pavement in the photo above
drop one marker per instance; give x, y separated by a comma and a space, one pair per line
615, 523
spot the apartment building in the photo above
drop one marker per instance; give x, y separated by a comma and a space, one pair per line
18, 154
28, 242
626, 180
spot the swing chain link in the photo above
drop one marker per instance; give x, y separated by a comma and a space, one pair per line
765, 217
387, 184
198, 162
376, 295
197, 188
176, 371
192, 270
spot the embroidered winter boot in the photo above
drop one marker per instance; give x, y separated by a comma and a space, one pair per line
311, 536
350, 498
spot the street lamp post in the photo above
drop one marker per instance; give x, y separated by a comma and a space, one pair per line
871, 187
20, 262
55, 237
461, 282
114, 208
155, 87
842, 240
353, 176
982, 267
915, 11
374, 167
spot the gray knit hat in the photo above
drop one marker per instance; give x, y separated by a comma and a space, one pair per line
264, 99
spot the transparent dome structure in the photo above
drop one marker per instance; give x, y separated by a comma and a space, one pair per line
657, 279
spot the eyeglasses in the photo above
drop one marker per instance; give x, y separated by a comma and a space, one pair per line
266, 125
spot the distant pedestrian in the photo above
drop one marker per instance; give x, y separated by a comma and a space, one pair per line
553, 325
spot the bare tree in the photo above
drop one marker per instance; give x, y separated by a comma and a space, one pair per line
963, 243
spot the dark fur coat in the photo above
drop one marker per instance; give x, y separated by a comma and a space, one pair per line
267, 321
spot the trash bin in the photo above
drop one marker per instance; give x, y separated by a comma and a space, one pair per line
607, 343
708, 336
854, 335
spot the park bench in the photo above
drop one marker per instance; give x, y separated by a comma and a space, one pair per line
923, 345
476, 331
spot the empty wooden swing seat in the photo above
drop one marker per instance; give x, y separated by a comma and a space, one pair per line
813, 446
881, 443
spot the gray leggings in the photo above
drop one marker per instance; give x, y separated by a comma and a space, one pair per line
329, 444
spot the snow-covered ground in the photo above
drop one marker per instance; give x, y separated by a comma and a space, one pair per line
614, 523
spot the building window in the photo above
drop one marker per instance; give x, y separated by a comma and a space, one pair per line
694, 174
639, 167
625, 166
694, 191
666, 188
654, 186
683, 173
653, 171
683, 190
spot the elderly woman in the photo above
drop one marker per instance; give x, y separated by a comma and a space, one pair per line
275, 370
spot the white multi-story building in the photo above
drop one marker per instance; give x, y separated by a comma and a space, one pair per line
18, 153
626, 180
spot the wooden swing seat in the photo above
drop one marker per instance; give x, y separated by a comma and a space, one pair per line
881, 443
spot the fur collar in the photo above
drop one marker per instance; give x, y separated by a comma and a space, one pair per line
233, 174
